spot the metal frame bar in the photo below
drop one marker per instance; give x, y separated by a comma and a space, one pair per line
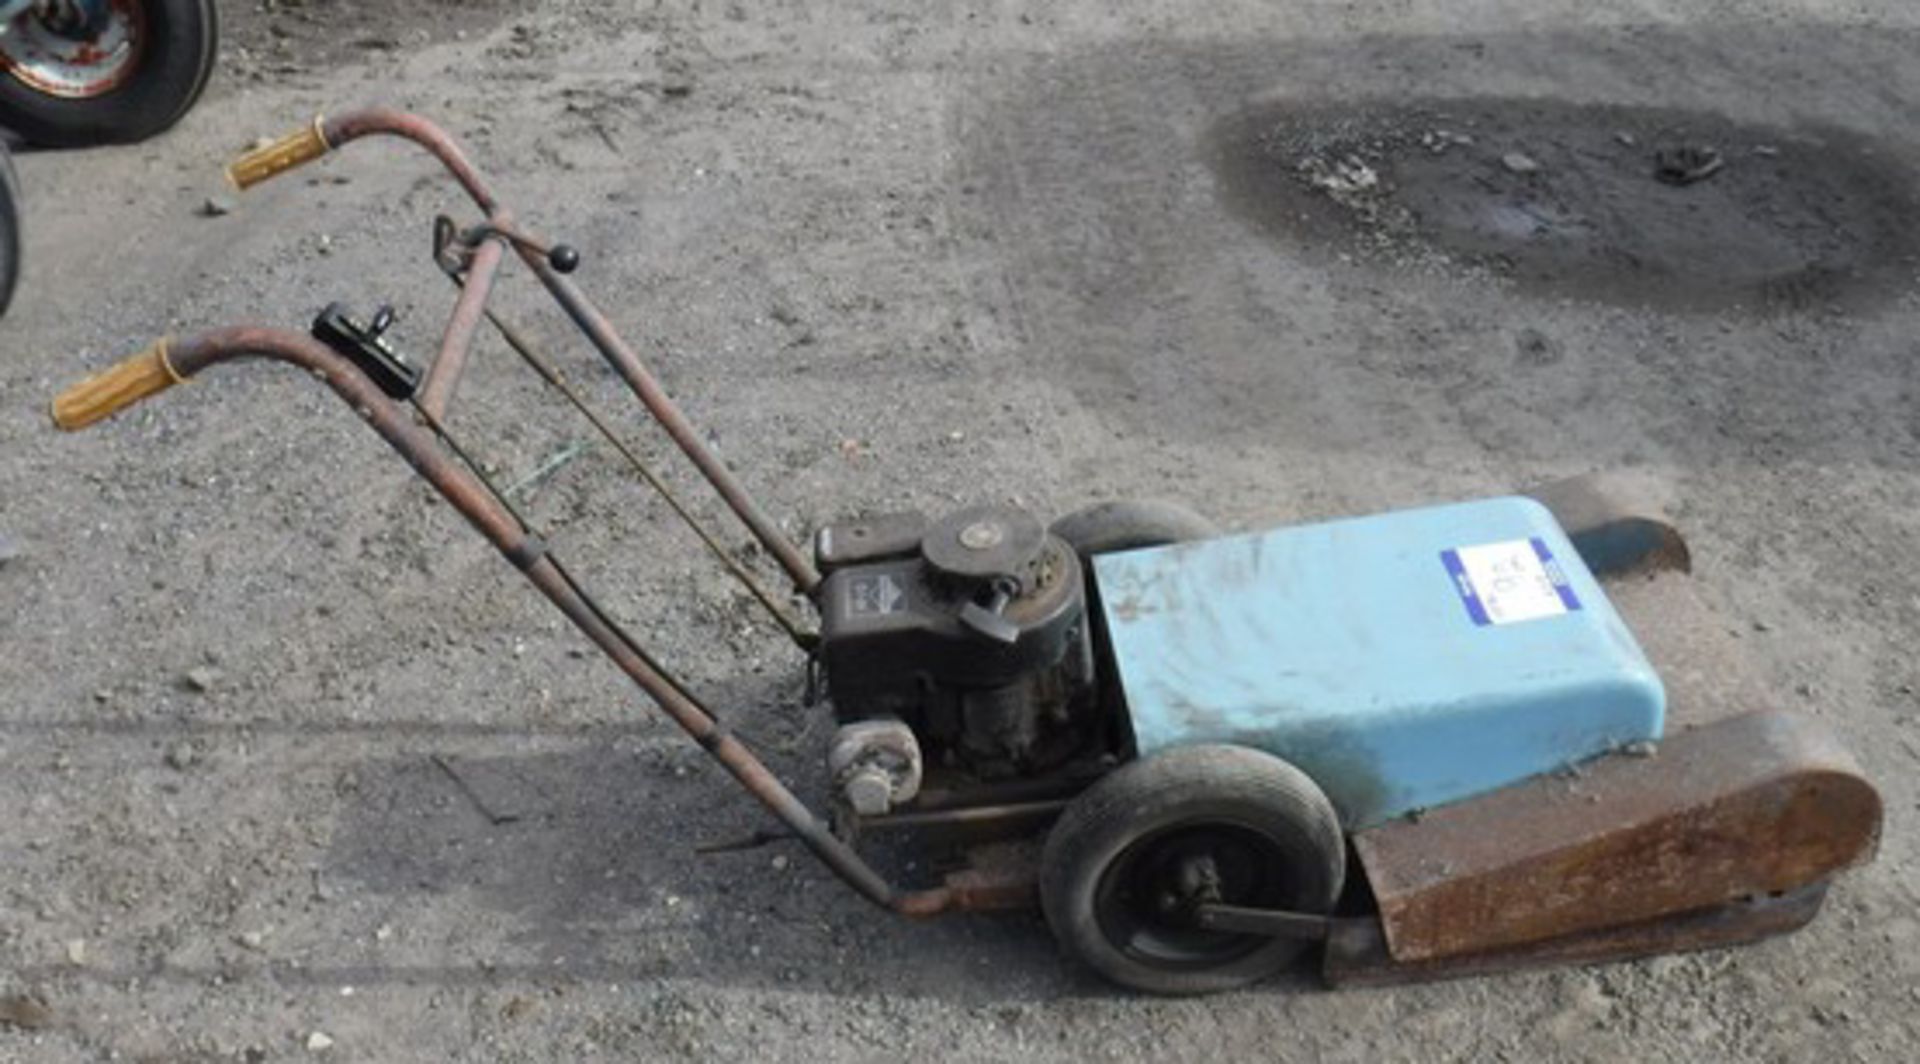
456, 344
353, 125
464, 490
417, 432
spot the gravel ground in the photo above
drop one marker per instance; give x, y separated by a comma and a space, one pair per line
896, 256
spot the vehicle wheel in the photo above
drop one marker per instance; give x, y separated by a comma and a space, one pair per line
1130, 524
126, 72
9, 229
1205, 822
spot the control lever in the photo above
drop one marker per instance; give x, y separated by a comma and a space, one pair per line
367, 348
989, 621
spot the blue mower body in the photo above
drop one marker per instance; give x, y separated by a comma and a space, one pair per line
1404, 661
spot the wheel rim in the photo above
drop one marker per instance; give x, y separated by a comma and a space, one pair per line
1144, 893
47, 50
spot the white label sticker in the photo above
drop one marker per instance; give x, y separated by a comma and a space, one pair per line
1509, 582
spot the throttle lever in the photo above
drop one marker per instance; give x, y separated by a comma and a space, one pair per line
366, 348
989, 621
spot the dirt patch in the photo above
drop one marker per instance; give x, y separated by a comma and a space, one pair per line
1671, 209
273, 38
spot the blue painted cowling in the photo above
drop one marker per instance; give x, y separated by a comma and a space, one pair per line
1404, 661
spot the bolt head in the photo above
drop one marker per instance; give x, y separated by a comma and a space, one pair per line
982, 535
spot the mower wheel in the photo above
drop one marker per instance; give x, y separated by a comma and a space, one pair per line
133, 71
1130, 524
1131, 855
9, 228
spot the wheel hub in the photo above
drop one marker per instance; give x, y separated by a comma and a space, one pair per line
74, 50
1196, 881
1148, 897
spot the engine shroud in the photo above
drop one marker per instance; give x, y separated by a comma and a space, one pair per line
972, 630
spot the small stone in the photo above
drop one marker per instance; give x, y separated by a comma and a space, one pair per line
1765, 151
202, 678
1640, 748
253, 940
318, 1042
1666, 967
1536, 348
1626, 139
1350, 176
24, 1012
780, 862
1590, 998
216, 206
383, 932
103, 696
1520, 163
181, 756
77, 952
676, 87
1686, 164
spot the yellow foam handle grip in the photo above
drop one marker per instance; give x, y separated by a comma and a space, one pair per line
106, 394
301, 146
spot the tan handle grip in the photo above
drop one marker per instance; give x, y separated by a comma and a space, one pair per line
106, 394
301, 146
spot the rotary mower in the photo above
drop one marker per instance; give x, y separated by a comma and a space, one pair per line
1420, 744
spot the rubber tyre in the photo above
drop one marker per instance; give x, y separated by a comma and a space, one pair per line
1151, 802
9, 229
183, 39
1131, 524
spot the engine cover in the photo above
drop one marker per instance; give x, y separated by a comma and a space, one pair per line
973, 631
1404, 660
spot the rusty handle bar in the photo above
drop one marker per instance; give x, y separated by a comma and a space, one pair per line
436, 394
467, 494
330, 133
325, 134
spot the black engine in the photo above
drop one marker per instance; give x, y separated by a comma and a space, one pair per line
972, 631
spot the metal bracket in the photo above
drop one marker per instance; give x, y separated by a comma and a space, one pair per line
1274, 923
364, 344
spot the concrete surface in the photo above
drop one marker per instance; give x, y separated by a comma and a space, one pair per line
892, 255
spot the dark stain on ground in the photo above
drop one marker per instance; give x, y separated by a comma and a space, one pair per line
1566, 200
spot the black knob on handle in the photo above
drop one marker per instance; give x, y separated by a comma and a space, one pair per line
563, 258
